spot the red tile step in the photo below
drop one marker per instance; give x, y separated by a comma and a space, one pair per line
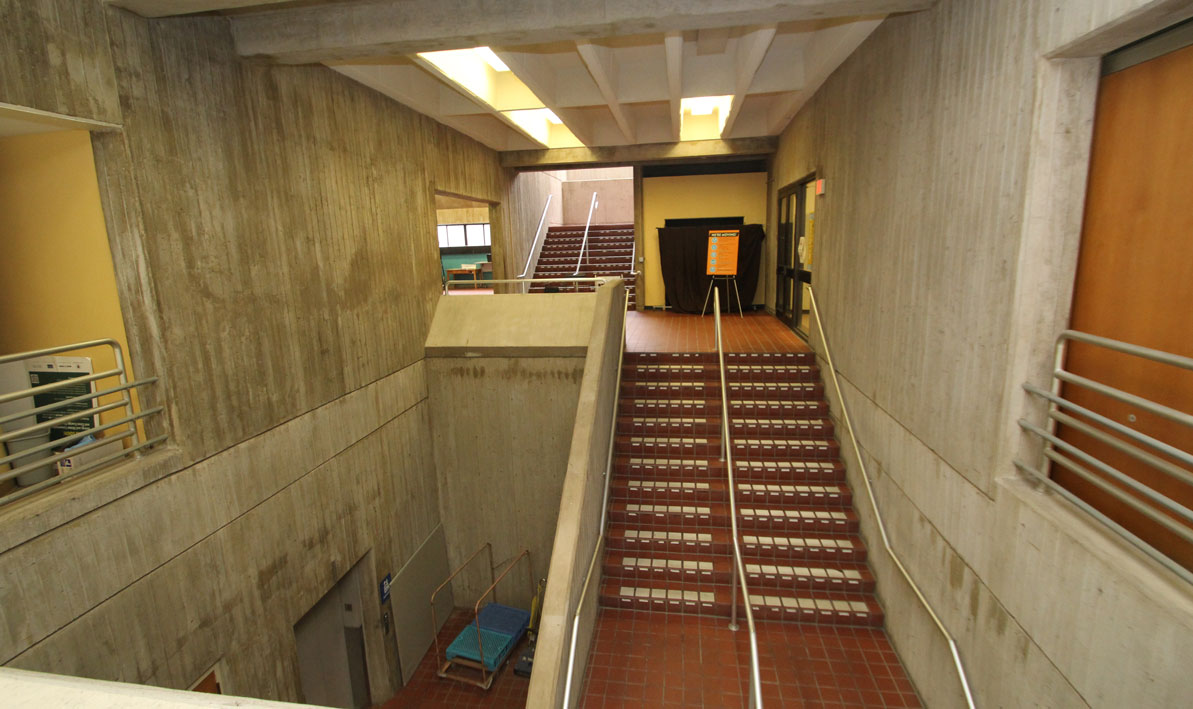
840, 577
636, 540
711, 357
782, 471
763, 520
824, 608
695, 406
668, 491
794, 547
709, 372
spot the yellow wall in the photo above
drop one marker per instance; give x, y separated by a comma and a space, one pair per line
694, 196
57, 284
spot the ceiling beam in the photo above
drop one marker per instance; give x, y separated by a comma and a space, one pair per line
168, 8
751, 50
673, 45
601, 67
538, 76
344, 31
686, 151
410, 86
822, 55
447, 80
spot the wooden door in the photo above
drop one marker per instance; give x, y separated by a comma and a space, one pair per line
1135, 275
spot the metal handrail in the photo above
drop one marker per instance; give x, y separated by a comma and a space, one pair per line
597, 281
739, 567
535, 241
93, 409
461, 567
886, 542
584, 244
567, 687
1076, 460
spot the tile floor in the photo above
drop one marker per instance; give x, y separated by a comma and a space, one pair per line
696, 661
426, 689
656, 331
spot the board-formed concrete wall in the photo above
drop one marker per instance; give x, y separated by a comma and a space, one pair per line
954, 145
273, 234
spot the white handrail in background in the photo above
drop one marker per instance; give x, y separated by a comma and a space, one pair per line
584, 244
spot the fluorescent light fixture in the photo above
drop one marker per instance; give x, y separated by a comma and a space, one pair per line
490, 57
703, 117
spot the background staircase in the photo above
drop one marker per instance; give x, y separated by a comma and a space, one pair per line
610, 253
668, 547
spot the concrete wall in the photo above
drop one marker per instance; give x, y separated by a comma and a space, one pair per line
504, 380
954, 145
528, 194
272, 235
615, 199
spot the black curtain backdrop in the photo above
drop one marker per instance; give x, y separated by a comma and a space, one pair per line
683, 255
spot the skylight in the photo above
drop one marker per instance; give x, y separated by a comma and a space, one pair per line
481, 73
703, 117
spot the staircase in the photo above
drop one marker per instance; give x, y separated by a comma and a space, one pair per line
668, 546
610, 253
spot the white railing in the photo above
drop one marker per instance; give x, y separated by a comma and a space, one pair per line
584, 244
1153, 504
739, 569
886, 541
536, 245
596, 552
45, 462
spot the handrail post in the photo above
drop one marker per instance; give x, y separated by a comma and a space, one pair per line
584, 244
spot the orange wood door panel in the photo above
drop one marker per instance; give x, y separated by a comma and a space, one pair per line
1135, 273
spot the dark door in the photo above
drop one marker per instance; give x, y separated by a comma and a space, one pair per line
786, 292
794, 248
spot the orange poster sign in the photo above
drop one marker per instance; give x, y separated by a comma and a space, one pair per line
722, 252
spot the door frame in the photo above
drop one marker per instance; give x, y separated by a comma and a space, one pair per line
798, 275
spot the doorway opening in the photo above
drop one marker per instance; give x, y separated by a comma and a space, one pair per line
332, 667
795, 253
465, 244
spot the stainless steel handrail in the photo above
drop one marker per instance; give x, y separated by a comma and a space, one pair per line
130, 420
567, 687
596, 281
739, 567
584, 244
886, 542
1076, 460
535, 241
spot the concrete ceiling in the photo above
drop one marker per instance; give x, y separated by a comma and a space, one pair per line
613, 71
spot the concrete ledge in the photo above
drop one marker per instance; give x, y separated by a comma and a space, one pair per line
538, 325
578, 532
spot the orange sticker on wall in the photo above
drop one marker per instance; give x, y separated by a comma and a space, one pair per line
722, 252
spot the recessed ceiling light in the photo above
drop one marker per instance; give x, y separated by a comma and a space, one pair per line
703, 117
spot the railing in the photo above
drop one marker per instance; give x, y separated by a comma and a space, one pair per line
534, 244
77, 408
738, 567
1163, 510
886, 542
596, 552
584, 244
596, 281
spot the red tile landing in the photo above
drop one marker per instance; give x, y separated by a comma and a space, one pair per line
426, 689
696, 661
654, 331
